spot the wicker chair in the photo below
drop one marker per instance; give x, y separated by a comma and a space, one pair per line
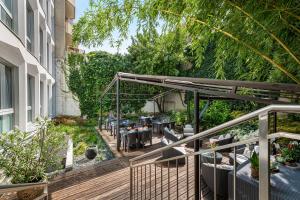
221, 177
170, 135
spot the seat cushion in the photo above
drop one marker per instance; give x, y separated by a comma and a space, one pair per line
188, 130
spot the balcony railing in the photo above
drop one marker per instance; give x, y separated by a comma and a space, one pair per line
149, 179
70, 9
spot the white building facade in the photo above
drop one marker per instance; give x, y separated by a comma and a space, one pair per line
65, 101
27, 62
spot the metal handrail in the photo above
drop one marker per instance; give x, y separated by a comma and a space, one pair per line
216, 129
223, 147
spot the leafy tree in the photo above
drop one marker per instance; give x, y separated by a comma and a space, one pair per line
259, 38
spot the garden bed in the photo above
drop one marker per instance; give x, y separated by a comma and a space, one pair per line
84, 135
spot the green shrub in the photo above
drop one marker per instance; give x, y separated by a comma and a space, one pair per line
80, 148
217, 113
27, 159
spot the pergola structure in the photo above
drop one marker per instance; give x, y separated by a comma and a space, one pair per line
206, 89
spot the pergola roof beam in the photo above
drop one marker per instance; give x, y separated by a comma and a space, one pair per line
222, 83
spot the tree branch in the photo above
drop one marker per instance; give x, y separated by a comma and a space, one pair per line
255, 50
281, 43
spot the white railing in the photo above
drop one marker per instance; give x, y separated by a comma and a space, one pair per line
142, 186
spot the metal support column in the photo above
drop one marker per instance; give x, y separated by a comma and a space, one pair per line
118, 113
196, 146
275, 122
100, 120
264, 158
154, 108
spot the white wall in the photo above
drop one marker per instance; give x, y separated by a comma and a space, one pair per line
14, 53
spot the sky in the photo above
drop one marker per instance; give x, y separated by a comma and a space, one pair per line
81, 6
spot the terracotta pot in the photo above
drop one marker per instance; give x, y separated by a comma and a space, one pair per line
30, 194
254, 173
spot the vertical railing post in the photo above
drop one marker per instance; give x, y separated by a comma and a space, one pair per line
264, 158
118, 113
196, 146
275, 122
215, 176
234, 173
131, 178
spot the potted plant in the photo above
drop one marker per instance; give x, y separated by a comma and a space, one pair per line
254, 165
291, 154
26, 158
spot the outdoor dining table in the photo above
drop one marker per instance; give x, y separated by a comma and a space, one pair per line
285, 184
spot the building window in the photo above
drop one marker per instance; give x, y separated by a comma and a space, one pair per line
41, 47
41, 99
48, 57
30, 98
6, 100
6, 13
30, 28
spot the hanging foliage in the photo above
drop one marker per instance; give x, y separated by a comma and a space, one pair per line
259, 37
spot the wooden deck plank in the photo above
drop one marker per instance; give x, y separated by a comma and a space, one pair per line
110, 179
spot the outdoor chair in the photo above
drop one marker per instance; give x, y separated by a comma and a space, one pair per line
130, 139
173, 152
123, 133
188, 130
146, 136
170, 135
222, 171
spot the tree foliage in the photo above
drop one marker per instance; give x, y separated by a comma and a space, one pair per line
259, 38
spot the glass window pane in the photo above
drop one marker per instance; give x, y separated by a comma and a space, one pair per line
8, 103
8, 4
6, 19
30, 26
30, 97
6, 123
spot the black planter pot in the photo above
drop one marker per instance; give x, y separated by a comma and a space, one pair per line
91, 152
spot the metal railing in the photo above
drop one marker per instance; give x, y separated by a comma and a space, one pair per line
11, 188
144, 186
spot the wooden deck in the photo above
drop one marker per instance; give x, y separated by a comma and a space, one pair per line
111, 180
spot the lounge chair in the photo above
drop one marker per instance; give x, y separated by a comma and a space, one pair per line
222, 171
222, 139
170, 135
173, 152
